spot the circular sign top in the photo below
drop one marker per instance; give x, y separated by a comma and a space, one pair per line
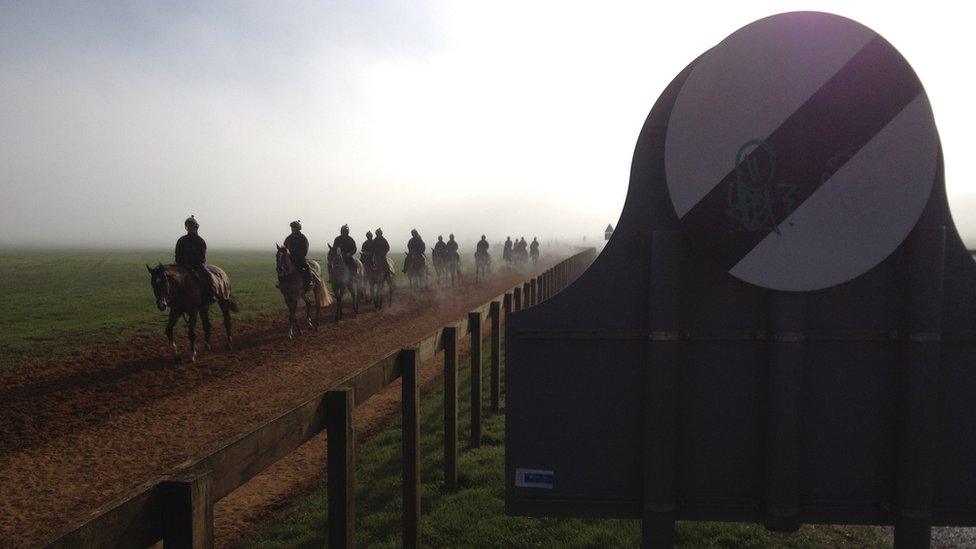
800, 151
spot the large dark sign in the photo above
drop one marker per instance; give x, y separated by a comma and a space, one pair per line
782, 328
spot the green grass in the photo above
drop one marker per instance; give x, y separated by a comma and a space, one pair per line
57, 301
475, 517
54, 302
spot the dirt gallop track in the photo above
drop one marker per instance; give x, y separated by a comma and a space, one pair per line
80, 435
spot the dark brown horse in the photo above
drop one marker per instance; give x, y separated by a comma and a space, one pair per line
482, 266
416, 267
452, 267
181, 291
379, 272
344, 279
293, 288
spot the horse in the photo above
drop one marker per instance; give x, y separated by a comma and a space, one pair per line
293, 288
482, 265
520, 256
381, 271
416, 268
439, 260
534, 253
453, 266
180, 290
343, 279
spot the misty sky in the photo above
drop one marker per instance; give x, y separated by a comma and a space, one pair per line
117, 120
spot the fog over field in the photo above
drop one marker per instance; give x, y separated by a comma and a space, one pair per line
118, 120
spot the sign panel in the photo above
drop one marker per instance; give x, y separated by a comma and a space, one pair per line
782, 328
800, 151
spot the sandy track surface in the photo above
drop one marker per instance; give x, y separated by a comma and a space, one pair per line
82, 434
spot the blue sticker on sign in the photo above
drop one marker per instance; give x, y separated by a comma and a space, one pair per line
534, 478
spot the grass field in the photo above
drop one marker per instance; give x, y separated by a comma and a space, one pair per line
474, 516
53, 302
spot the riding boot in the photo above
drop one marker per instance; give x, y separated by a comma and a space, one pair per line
309, 281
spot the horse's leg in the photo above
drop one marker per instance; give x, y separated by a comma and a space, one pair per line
291, 317
356, 290
308, 311
191, 333
205, 319
338, 309
225, 311
174, 316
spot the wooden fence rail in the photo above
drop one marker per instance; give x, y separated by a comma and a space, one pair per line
179, 509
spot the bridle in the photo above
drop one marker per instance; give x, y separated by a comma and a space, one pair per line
163, 296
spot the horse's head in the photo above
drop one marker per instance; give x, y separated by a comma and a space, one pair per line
282, 261
334, 259
161, 285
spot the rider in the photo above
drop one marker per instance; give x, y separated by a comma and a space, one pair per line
507, 252
452, 245
347, 247
297, 246
482, 247
440, 248
520, 245
415, 247
534, 247
191, 253
379, 245
366, 249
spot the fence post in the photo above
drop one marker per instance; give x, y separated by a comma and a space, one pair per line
450, 338
409, 364
507, 302
662, 379
517, 297
526, 295
533, 292
341, 466
187, 511
496, 346
474, 326
919, 387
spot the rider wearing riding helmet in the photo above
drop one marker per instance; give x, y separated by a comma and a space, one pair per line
440, 247
452, 245
482, 245
297, 246
191, 253
379, 245
347, 247
415, 248
367, 245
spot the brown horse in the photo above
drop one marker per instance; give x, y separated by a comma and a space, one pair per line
181, 291
293, 288
380, 271
416, 269
344, 279
452, 267
482, 266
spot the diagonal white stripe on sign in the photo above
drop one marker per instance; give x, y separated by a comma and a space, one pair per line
803, 54
856, 218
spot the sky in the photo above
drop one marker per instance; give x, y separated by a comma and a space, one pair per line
118, 120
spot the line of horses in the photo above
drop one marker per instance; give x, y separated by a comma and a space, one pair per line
366, 279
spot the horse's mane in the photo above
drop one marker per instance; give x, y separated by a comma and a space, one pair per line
175, 272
